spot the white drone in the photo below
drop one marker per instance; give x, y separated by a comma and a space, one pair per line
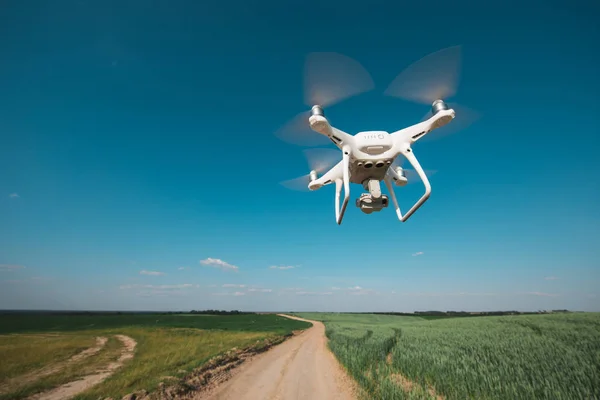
371, 157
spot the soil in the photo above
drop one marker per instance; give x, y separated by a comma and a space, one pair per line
302, 367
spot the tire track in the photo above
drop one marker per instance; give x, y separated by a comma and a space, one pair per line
22, 380
71, 389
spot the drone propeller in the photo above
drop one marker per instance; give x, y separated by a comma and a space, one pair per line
329, 78
435, 76
411, 175
319, 160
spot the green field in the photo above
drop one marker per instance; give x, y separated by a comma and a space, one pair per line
168, 346
509, 357
18, 323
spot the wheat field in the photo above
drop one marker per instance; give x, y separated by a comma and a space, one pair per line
508, 357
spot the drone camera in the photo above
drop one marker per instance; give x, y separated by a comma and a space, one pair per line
368, 204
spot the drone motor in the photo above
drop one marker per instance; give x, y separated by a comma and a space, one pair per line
317, 110
438, 106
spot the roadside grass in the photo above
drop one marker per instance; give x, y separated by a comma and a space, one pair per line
20, 354
166, 347
72, 371
508, 357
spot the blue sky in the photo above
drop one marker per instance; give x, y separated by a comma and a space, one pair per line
139, 140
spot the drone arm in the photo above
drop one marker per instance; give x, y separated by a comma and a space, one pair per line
319, 124
413, 160
415, 132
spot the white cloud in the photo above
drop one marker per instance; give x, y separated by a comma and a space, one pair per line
181, 268
283, 267
303, 293
229, 294
160, 290
218, 263
160, 287
357, 290
260, 290
542, 294
233, 285
153, 273
10, 267
551, 278
161, 293
335, 288
14, 195
39, 278
418, 253
443, 294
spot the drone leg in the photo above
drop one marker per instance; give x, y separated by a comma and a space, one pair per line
390, 187
413, 160
339, 214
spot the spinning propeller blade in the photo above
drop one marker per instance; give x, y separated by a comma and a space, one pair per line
433, 77
297, 131
319, 160
329, 78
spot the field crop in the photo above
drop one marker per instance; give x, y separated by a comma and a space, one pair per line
44, 322
509, 357
168, 347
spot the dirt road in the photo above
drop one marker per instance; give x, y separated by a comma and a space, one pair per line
300, 368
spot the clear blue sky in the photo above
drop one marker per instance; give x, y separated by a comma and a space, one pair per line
137, 140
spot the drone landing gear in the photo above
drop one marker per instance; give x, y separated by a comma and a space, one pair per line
374, 200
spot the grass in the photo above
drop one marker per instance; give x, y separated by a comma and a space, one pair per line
167, 346
61, 372
20, 323
23, 354
509, 357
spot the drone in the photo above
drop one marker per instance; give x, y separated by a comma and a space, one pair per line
372, 157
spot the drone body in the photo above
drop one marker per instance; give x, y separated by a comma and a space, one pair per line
372, 157
367, 159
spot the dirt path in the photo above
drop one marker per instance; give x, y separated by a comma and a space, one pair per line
23, 380
71, 389
299, 368
100, 342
